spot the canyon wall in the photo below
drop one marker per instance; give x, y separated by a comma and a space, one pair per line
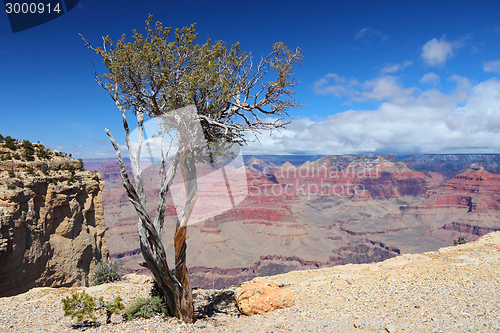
51, 221
323, 212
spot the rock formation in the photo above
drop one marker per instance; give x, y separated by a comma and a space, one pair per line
260, 296
51, 219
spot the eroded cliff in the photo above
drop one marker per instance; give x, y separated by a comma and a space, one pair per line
51, 219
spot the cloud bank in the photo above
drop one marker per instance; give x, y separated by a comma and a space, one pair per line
405, 120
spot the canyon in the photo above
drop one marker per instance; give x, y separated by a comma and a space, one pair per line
318, 211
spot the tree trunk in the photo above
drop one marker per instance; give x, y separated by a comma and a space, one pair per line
176, 287
186, 308
188, 167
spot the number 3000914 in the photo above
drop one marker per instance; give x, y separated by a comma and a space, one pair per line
31, 8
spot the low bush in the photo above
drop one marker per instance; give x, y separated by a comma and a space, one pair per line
85, 308
460, 240
108, 271
71, 179
30, 171
81, 165
43, 153
145, 308
10, 143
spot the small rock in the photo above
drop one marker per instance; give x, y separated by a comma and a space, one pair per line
260, 296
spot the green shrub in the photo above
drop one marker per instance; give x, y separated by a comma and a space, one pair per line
145, 308
54, 181
29, 151
108, 271
26, 144
11, 174
1, 138
80, 166
71, 179
85, 308
460, 240
43, 153
11, 186
16, 156
10, 143
30, 171
6, 156
156, 290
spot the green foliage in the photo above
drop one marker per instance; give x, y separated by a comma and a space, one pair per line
61, 154
80, 166
1, 138
84, 307
43, 153
10, 143
460, 240
156, 290
30, 171
11, 186
26, 144
16, 156
108, 271
11, 174
71, 179
80, 306
29, 150
167, 69
145, 308
54, 181
71, 168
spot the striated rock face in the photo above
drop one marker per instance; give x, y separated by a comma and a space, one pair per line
474, 190
51, 223
361, 176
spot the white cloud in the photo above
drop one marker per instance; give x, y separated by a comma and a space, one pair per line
378, 89
436, 52
430, 78
368, 34
492, 66
407, 120
334, 84
390, 69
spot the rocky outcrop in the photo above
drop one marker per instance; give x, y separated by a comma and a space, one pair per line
475, 189
464, 228
260, 296
51, 222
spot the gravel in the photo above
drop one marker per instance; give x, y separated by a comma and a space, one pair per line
454, 289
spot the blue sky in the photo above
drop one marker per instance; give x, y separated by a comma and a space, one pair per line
377, 76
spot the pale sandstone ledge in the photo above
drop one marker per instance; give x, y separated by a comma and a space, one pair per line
456, 289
